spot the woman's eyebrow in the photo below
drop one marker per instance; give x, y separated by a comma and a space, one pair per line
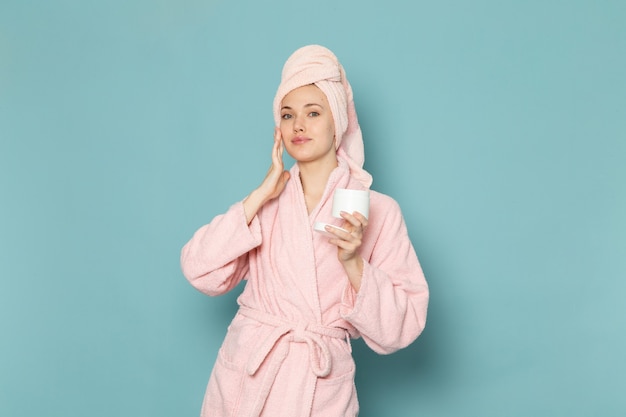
305, 106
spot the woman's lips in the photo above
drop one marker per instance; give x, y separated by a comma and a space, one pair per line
299, 140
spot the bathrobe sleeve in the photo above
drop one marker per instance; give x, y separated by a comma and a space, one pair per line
215, 260
389, 311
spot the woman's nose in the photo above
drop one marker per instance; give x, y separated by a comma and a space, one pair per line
298, 126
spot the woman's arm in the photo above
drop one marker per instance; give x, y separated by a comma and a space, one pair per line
215, 260
273, 184
348, 245
390, 307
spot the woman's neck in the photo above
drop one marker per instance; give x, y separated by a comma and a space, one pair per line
314, 176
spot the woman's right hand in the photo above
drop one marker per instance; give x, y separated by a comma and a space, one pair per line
274, 182
276, 178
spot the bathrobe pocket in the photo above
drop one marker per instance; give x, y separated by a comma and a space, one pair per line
226, 385
335, 395
242, 337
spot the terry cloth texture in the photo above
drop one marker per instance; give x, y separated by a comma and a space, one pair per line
285, 352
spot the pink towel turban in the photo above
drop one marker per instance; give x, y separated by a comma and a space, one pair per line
314, 64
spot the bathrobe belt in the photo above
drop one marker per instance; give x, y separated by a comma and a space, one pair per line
310, 333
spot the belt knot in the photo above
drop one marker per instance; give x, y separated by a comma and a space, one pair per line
300, 332
283, 331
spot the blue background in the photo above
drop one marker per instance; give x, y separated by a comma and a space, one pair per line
499, 126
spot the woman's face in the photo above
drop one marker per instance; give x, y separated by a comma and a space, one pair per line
307, 125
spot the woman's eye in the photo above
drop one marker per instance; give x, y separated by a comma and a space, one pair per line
314, 114
286, 116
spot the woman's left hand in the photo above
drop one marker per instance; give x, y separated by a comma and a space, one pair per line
348, 244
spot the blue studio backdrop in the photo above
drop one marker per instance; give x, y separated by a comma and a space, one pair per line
499, 127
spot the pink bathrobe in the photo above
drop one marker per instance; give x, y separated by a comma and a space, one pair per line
287, 351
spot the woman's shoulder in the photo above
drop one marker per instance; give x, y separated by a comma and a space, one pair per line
385, 219
384, 210
383, 200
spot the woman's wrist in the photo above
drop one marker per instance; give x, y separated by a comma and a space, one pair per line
252, 203
354, 270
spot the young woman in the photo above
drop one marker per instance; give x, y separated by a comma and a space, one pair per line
287, 351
